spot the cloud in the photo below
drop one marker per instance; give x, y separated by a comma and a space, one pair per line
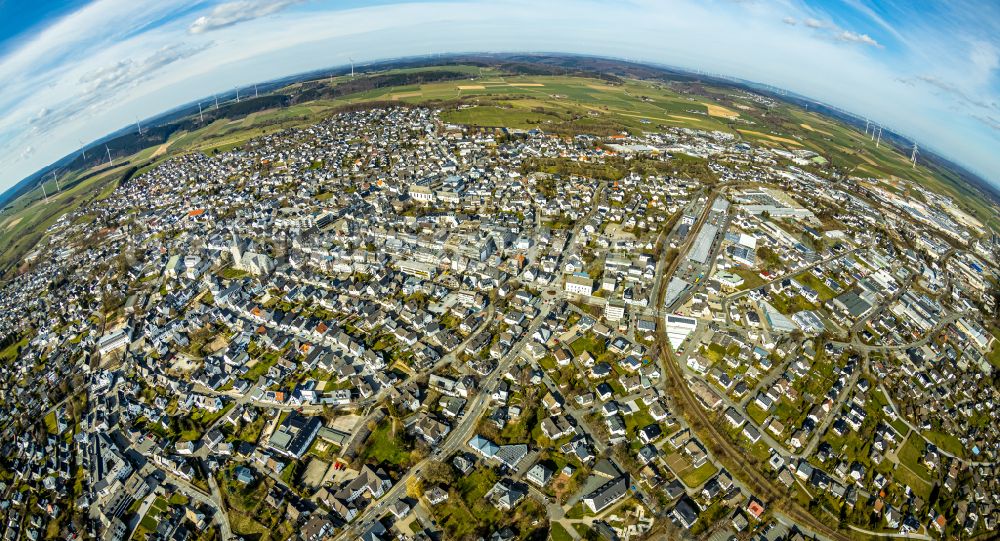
27, 152
41, 115
831, 30
237, 12
105, 81
984, 57
988, 121
863, 8
854, 37
953, 90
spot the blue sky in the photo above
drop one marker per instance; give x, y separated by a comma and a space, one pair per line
74, 71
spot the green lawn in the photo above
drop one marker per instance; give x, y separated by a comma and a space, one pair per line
590, 343
558, 533
233, 274
994, 355
384, 446
757, 414
499, 117
751, 278
9, 353
698, 476
468, 512
50, 423
810, 280
946, 442
910, 453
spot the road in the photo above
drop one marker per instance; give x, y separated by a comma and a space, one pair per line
455, 439
212, 500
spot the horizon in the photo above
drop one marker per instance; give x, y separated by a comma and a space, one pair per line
71, 83
386, 63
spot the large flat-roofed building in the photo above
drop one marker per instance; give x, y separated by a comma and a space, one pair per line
675, 288
678, 329
295, 434
702, 247
777, 321
425, 271
852, 304
614, 310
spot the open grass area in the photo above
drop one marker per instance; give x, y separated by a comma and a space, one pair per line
756, 413
558, 533
590, 343
50, 423
385, 446
697, 476
910, 453
810, 280
751, 278
946, 442
10, 352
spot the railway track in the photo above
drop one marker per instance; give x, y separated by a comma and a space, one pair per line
727, 453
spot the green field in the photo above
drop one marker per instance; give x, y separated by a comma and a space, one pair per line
698, 476
559, 533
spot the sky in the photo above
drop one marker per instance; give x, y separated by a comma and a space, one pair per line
72, 71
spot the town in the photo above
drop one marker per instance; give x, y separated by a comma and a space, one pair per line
386, 326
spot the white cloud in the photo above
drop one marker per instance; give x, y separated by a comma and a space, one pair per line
985, 57
813, 23
854, 37
791, 21
867, 11
130, 72
237, 12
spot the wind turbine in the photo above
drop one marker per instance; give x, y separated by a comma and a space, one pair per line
55, 177
255, 90
44, 194
110, 161
201, 118
138, 127
83, 149
237, 95
866, 126
913, 155
216, 102
352, 66
879, 140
